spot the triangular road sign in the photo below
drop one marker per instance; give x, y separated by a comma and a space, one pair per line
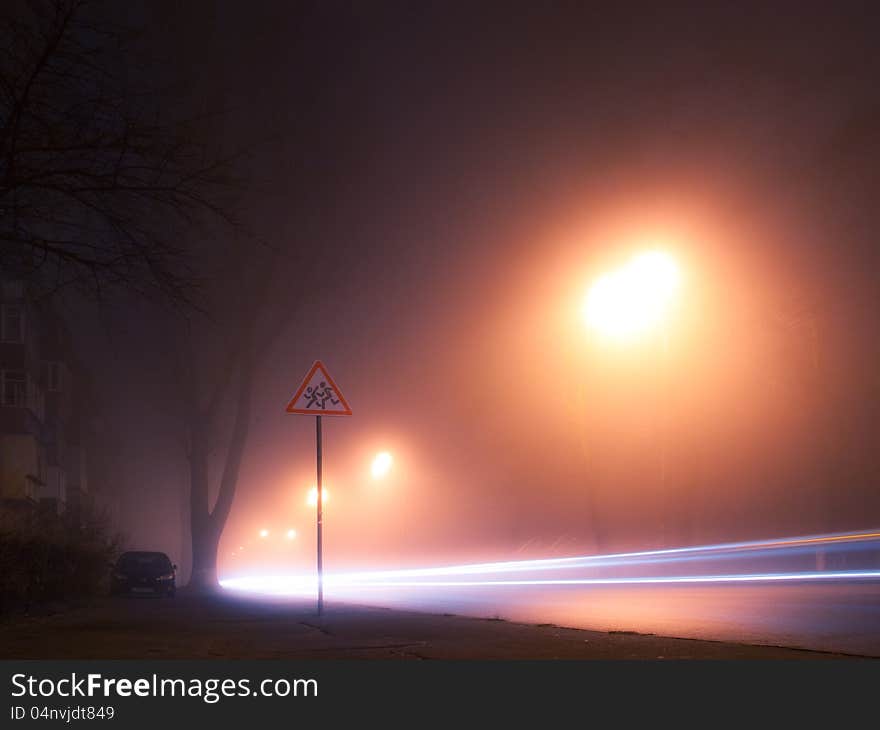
318, 395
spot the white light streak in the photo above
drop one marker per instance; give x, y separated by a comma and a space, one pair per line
464, 576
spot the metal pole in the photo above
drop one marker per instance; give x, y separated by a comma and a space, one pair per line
664, 414
668, 524
583, 426
320, 519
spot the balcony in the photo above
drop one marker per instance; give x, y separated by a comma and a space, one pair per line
17, 390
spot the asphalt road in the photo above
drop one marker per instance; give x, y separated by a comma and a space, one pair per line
826, 616
205, 627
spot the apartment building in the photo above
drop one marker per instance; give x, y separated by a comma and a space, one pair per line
43, 418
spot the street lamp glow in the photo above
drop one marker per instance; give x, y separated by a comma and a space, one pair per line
312, 499
291, 534
264, 534
381, 465
634, 298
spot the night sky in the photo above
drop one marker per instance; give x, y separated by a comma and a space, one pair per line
463, 171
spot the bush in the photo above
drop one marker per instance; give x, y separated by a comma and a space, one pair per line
45, 558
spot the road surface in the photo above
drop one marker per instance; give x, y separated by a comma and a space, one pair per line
818, 592
825, 616
206, 627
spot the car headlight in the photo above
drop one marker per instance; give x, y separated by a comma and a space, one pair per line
167, 576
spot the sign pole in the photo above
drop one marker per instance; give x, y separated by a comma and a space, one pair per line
319, 396
320, 518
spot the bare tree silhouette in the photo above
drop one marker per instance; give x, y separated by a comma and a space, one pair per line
97, 179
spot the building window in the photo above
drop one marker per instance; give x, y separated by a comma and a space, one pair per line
36, 399
12, 289
12, 323
54, 377
14, 388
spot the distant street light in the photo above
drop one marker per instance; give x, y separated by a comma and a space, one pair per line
312, 499
381, 465
264, 534
291, 535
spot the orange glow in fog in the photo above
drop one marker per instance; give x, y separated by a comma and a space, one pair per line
312, 499
630, 300
381, 465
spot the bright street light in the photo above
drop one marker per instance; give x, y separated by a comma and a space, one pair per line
381, 465
291, 535
632, 299
264, 534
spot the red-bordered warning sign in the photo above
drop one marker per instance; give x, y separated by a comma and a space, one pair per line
318, 395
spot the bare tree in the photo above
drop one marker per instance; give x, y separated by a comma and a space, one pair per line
97, 180
218, 372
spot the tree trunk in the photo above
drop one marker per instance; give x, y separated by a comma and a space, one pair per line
207, 520
205, 542
206, 523
204, 537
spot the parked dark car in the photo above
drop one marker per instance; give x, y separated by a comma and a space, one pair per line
143, 572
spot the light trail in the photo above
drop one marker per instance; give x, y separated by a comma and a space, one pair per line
283, 586
761, 550
624, 558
